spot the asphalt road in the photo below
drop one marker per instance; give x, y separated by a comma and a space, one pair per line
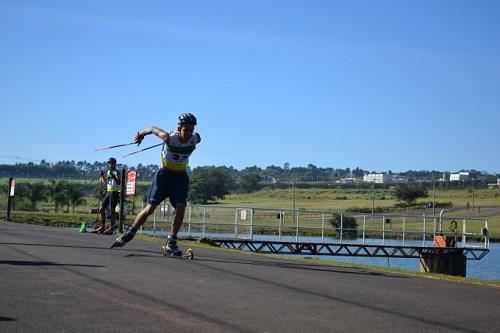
59, 280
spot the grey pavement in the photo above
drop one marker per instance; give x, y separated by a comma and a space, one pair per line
60, 280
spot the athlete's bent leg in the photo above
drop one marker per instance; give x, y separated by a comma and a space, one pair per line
139, 220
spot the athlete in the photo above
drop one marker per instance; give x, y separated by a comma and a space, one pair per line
171, 180
112, 180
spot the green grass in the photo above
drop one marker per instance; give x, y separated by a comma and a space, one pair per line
340, 199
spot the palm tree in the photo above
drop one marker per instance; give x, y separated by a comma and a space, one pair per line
35, 192
75, 195
58, 193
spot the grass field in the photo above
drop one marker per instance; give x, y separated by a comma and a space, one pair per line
340, 199
485, 201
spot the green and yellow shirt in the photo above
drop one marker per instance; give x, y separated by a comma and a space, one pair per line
175, 155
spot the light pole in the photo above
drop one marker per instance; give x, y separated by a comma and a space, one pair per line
293, 201
373, 197
473, 195
433, 197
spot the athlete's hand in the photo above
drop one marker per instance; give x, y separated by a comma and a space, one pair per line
138, 138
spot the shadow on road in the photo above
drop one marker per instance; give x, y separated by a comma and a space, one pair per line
301, 266
40, 263
58, 245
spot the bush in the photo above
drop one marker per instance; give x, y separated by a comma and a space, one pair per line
410, 193
349, 226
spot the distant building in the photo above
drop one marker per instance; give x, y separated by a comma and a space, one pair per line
348, 180
494, 185
459, 176
377, 178
383, 178
465, 176
400, 179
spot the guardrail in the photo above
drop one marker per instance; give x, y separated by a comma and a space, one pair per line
325, 226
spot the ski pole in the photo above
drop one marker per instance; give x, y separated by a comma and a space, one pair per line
143, 149
116, 146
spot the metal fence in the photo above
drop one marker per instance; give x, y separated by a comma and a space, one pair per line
322, 226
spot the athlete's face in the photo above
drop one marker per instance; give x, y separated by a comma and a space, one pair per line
186, 132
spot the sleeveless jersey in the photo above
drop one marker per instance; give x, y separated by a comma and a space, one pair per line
175, 155
111, 185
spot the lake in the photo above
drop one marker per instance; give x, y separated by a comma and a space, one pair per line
487, 268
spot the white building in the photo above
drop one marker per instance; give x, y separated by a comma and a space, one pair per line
377, 178
400, 179
348, 181
382, 178
460, 176
466, 176
494, 185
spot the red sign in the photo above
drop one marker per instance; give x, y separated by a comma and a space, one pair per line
12, 187
131, 178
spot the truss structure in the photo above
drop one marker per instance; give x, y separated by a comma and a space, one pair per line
353, 250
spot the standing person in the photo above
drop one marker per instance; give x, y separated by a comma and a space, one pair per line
112, 180
169, 181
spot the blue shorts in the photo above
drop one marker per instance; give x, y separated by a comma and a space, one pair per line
173, 185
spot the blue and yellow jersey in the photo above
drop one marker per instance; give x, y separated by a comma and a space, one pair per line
175, 155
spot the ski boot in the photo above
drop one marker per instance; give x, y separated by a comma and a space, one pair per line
172, 248
98, 229
123, 239
109, 230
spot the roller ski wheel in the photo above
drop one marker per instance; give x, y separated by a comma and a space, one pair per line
166, 252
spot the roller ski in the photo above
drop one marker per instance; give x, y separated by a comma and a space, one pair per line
166, 252
171, 249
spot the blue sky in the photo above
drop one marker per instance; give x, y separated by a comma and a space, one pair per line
380, 85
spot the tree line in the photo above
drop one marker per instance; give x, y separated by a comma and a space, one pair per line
62, 193
68, 170
207, 183
271, 174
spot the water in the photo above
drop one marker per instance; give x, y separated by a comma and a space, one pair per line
487, 268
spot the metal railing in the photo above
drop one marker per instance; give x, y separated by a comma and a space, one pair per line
324, 226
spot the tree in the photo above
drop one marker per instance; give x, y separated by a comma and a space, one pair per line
349, 225
35, 192
249, 182
410, 193
208, 184
75, 195
57, 191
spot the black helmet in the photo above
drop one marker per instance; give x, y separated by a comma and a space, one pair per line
187, 119
112, 160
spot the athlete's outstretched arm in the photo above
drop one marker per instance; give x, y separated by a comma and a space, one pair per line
151, 130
